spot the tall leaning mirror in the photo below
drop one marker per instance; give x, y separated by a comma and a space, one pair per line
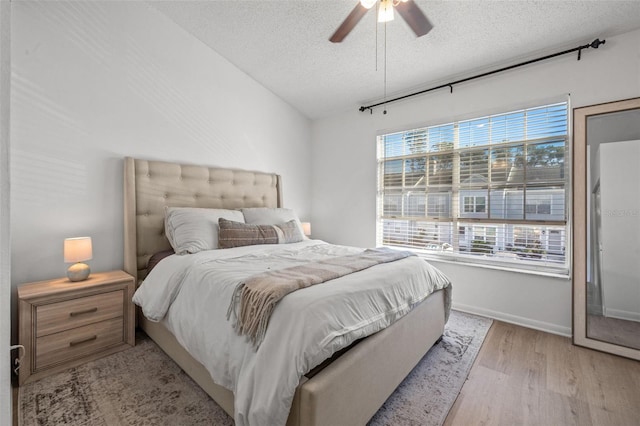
606, 227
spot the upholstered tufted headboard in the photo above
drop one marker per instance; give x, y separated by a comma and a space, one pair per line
149, 186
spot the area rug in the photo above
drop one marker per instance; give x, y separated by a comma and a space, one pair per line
143, 386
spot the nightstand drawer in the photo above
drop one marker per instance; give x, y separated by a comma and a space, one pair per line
67, 345
69, 314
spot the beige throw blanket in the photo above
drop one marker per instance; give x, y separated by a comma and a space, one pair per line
254, 300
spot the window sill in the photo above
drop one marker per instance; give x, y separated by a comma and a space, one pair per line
498, 267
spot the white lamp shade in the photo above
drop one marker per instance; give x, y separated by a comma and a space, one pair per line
306, 228
77, 249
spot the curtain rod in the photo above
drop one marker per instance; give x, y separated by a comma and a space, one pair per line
594, 44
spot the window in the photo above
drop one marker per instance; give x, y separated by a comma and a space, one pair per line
489, 190
475, 204
539, 205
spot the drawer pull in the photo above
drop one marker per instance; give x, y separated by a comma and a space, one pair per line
86, 311
86, 339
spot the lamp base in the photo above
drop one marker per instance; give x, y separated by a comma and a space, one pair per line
78, 272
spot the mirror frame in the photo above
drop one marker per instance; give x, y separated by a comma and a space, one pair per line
579, 213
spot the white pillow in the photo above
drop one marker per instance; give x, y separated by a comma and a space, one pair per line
192, 229
271, 216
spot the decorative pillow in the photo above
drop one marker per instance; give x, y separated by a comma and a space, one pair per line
157, 257
237, 234
271, 216
191, 229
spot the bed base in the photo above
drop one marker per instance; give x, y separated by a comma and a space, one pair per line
353, 387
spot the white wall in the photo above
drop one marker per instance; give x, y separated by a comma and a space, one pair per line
5, 241
344, 166
96, 81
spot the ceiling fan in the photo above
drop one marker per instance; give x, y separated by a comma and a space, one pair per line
408, 9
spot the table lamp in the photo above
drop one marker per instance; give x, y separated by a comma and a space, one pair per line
306, 228
77, 250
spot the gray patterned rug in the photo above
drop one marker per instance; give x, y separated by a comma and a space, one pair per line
142, 386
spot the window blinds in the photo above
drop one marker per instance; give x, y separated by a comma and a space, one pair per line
490, 189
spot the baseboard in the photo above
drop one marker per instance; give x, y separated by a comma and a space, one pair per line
514, 319
623, 315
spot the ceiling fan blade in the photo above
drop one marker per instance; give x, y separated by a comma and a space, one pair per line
349, 23
412, 14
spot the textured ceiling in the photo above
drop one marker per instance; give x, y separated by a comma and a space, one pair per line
284, 44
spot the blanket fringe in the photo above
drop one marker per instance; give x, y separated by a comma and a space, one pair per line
254, 313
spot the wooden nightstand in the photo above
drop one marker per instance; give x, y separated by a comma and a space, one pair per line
64, 324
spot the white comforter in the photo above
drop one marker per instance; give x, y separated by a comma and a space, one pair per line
191, 295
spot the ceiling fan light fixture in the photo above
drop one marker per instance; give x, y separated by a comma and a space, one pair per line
368, 3
407, 9
385, 11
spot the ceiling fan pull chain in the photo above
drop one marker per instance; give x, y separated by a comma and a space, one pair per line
375, 22
385, 67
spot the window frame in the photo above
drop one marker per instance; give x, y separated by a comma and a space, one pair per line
475, 205
462, 221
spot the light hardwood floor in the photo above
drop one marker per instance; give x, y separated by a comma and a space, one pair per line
527, 377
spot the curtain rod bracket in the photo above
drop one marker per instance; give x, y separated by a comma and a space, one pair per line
594, 44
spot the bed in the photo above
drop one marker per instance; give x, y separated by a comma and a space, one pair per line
345, 390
